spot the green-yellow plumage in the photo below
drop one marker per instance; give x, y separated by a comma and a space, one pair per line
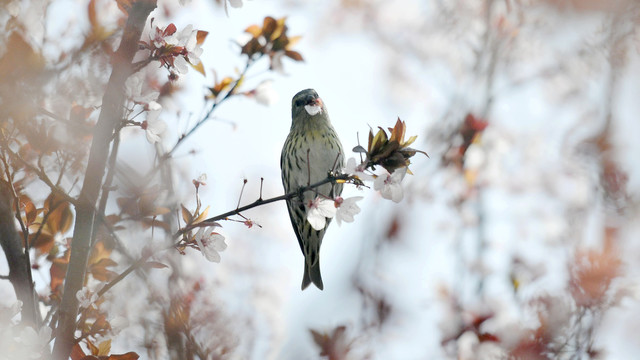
311, 150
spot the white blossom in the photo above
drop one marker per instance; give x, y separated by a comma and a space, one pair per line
265, 94
181, 65
276, 62
188, 38
389, 185
134, 89
86, 297
313, 109
352, 168
34, 342
347, 208
319, 210
210, 243
153, 126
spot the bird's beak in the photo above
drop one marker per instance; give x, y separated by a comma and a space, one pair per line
317, 102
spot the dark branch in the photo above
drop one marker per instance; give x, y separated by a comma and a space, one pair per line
291, 195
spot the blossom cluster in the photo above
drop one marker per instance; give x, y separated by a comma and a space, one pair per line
392, 153
176, 50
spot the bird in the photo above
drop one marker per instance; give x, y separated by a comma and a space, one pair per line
311, 151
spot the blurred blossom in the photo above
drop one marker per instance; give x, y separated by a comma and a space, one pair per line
235, 3
118, 324
264, 93
319, 210
210, 243
347, 208
276, 62
202, 179
474, 157
389, 185
86, 297
34, 342
153, 126
134, 89
13, 8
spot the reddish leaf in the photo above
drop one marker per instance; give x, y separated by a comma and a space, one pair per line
57, 272
488, 337
128, 356
30, 211
43, 242
294, 55
77, 353
269, 26
94, 349
201, 36
169, 30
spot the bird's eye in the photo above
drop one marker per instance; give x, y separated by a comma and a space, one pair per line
299, 102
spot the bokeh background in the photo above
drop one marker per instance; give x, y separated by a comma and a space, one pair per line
517, 237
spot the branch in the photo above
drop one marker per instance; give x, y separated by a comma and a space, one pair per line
237, 211
260, 202
213, 107
42, 176
111, 114
17, 259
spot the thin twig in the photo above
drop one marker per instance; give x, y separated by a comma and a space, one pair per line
43, 177
208, 114
224, 216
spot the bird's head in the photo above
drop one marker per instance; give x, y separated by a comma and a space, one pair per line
306, 104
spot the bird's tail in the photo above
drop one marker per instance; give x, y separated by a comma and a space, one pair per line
312, 274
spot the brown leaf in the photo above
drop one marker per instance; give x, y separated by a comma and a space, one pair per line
43, 242
252, 47
22, 61
294, 55
30, 211
59, 215
269, 26
57, 273
77, 353
100, 326
335, 346
94, 349
201, 35
593, 271
155, 265
186, 215
100, 272
128, 356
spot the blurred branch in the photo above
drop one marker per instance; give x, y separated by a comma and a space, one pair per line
215, 104
17, 259
110, 115
42, 176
